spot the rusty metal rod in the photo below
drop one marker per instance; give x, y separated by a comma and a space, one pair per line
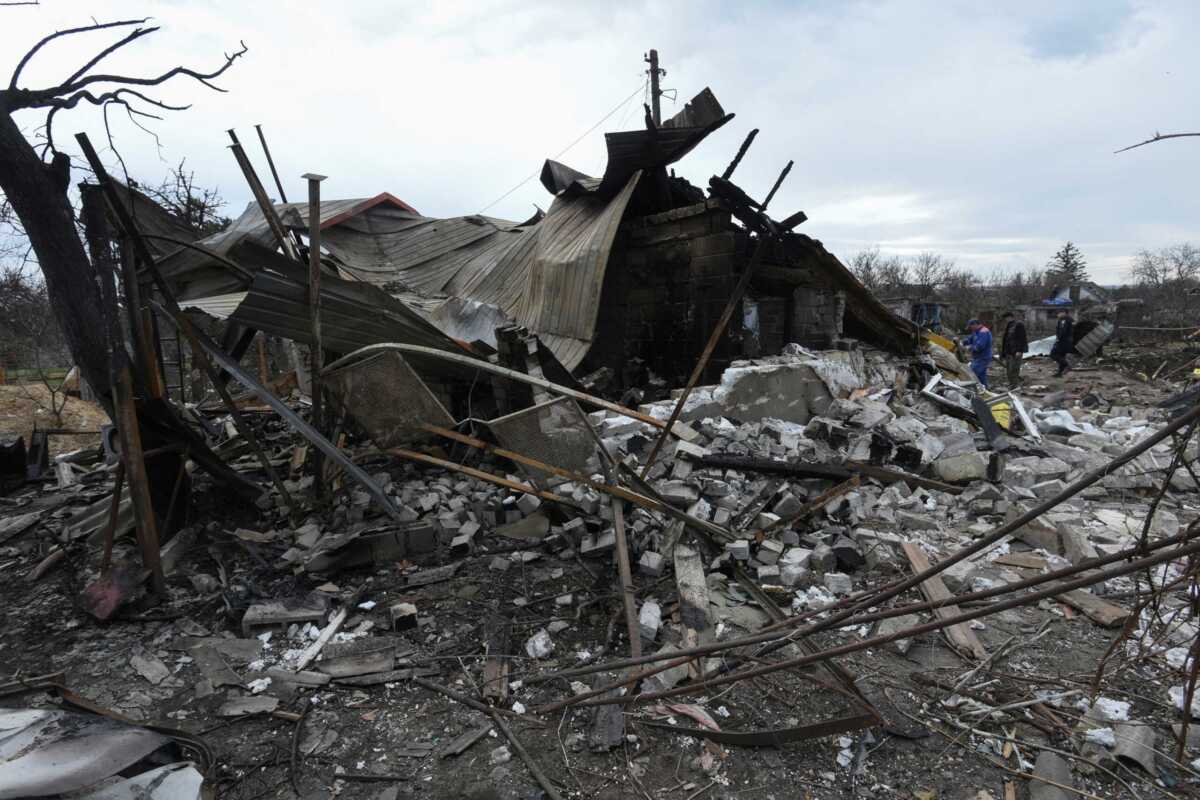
772, 634
412, 455
175, 314
495, 369
264, 202
590, 699
271, 163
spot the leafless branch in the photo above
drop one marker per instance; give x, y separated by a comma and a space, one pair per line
136, 34
1158, 137
58, 104
202, 77
12, 84
74, 89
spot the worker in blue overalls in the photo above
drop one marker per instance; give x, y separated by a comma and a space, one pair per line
979, 345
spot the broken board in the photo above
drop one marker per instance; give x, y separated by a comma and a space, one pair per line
962, 637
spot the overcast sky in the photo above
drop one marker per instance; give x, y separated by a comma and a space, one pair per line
983, 134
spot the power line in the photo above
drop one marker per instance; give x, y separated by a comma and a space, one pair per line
560, 153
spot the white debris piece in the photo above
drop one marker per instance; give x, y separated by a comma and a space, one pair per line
1113, 710
540, 644
258, 685
1100, 736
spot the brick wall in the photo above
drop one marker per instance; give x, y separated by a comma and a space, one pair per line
817, 317
667, 283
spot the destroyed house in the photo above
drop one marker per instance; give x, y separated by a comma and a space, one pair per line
628, 271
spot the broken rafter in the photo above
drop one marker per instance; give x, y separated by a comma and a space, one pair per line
172, 310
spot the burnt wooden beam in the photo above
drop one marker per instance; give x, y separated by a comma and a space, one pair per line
833, 472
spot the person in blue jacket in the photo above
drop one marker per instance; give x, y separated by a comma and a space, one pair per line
979, 345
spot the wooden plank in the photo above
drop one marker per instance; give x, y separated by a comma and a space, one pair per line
1102, 612
693, 600
498, 632
1022, 560
961, 636
139, 482
627, 589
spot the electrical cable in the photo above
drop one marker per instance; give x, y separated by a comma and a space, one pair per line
559, 154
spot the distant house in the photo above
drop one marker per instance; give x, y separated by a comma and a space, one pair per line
1042, 316
1077, 294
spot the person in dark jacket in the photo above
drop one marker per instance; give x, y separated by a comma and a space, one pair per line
1013, 347
1064, 341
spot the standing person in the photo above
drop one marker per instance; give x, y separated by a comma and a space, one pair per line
979, 345
1064, 341
1013, 347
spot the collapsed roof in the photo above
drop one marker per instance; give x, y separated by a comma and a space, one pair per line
463, 276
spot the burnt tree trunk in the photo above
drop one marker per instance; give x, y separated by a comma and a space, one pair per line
38, 193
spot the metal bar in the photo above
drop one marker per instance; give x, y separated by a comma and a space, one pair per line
737, 159
316, 351
772, 738
878, 641
412, 455
774, 633
271, 163
498, 370
578, 477
715, 337
239, 422
292, 418
264, 203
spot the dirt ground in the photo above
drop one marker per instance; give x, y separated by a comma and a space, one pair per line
26, 406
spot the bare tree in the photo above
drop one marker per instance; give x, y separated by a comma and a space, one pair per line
37, 188
1174, 267
865, 266
32, 341
1168, 278
883, 275
196, 206
929, 271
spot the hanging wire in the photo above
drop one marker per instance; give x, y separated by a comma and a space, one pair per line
560, 153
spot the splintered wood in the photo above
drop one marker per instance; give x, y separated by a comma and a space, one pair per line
961, 636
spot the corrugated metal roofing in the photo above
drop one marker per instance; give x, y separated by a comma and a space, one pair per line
353, 314
220, 306
546, 276
195, 274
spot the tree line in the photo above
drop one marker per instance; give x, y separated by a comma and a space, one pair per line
1167, 279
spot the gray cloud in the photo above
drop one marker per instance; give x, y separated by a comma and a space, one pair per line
984, 134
